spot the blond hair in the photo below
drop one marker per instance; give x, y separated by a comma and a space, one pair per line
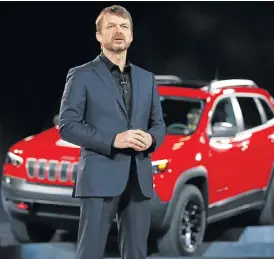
115, 10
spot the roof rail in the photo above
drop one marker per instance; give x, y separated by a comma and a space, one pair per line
177, 81
167, 79
231, 83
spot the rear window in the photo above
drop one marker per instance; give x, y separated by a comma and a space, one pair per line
251, 114
267, 109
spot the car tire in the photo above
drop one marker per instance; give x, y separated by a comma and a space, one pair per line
31, 232
171, 243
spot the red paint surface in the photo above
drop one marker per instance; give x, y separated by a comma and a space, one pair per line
230, 168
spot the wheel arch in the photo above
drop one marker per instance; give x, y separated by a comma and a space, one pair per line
196, 176
270, 182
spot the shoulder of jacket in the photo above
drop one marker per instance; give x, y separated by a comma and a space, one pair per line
86, 67
142, 70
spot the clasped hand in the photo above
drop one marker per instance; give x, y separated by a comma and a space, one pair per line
136, 139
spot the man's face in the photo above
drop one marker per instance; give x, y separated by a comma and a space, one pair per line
115, 34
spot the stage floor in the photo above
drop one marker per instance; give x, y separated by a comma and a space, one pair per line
221, 241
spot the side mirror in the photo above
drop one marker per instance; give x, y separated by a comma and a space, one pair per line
56, 120
223, 129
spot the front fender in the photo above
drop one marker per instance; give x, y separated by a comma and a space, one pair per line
185, 178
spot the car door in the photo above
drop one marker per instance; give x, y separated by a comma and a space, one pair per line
268, 134
258, 158
268, 119
224, 152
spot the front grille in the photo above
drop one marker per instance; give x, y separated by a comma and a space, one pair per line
53, 170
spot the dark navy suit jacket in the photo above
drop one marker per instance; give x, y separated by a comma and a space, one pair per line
92, 112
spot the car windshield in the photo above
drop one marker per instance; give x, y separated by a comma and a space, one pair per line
182, 115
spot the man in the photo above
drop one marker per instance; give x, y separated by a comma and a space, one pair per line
111, 109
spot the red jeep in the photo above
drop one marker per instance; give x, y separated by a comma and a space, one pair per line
216, 161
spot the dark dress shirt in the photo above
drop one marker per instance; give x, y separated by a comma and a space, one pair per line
122, 79
124, 84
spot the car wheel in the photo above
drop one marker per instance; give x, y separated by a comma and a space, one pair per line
187, 227
31, 232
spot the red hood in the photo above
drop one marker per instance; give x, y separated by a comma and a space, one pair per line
172, 146
47, 144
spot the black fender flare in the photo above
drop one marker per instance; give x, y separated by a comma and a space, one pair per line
189, 174
270, 182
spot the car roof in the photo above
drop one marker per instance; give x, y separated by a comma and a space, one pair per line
170, 85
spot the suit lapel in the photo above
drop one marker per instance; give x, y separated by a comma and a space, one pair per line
135, 92
106, 77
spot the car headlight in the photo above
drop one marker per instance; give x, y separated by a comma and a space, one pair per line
159, 166
13, 159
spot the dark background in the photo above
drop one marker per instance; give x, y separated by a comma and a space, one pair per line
40, 41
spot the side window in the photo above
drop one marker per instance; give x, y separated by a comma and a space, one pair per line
267, 109
224, 112
251, 115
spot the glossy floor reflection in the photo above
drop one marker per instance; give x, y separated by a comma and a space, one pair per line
67, 251
51, 251
63, 245
39, 251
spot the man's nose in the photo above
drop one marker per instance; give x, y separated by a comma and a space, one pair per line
118, 28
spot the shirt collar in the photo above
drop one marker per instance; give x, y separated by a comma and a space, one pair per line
111, 66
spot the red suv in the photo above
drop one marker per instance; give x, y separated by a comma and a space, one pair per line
216, 161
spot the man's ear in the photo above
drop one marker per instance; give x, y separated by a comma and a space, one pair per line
98, 36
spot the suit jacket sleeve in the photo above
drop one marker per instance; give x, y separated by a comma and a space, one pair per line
72, 124
157, 127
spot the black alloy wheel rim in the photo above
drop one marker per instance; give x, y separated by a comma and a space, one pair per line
191, 224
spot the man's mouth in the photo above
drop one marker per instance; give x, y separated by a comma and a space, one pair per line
118, 37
